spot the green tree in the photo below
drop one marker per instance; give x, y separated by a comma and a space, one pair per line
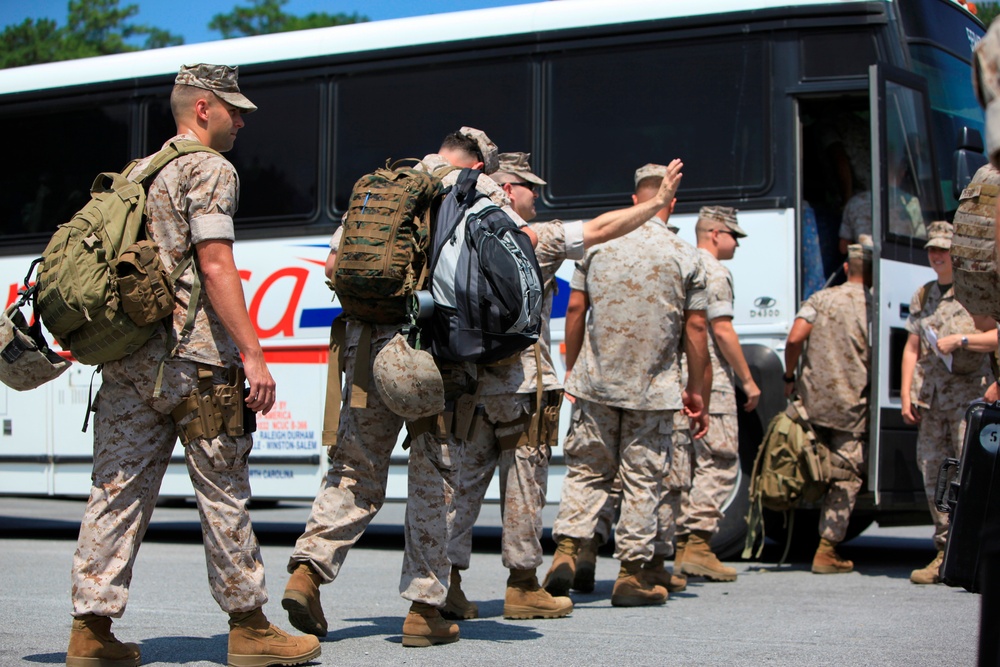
263, 17
987, 11
93, 28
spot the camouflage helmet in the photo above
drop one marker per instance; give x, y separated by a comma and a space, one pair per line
26, 361
408, 380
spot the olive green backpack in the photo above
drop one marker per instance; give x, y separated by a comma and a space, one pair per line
101, 287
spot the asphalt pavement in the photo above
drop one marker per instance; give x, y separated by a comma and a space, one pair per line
774, 616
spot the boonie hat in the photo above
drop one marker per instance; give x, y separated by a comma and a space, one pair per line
939, 235
649, 170
724, 214
486, 147
220, 79
408, 380
26, 361
516, 164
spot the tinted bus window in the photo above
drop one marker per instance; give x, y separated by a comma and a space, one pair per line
854, 51
406, 114
610, 112
277, 153
58, 155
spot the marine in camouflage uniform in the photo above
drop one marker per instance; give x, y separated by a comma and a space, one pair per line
354, 488
834, 387
716, 454
937, 396
640, 293
189, 209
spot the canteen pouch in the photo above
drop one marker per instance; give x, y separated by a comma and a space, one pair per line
144, 286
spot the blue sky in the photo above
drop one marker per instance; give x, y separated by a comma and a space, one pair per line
190, 17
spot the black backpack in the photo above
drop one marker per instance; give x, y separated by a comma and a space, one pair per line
484, 278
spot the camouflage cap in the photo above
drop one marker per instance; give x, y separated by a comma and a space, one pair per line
515, 164
220, 79
862, 249
486, 147
939, 235
649, 170
408, 380
724, 214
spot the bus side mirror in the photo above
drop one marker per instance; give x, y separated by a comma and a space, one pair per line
967, 159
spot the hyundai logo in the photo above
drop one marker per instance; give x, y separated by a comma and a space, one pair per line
764, 302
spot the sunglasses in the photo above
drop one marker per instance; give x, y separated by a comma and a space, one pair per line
524, 184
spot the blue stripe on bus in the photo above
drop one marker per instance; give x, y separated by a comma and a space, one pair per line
561, 299
317, 317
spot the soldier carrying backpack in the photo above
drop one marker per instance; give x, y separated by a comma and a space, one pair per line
199, 396
382, 252
833, 387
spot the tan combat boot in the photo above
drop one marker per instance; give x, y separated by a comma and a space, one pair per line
828, 561
301, 601
632, 590
254, 642
655, 572
930, 574
700, 561
677, 578
456, 606
586, 566
424, 626
91, 644
526, 599
560, 576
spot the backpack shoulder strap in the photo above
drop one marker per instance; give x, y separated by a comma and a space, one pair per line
168, 154
925, 293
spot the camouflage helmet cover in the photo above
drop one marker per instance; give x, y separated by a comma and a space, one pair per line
408, 380
26, 361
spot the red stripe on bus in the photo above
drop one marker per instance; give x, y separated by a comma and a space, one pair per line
296, 355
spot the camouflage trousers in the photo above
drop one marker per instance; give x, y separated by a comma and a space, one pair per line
134, 436
354, 488
676, 489
523, 481
941, 435
716, 468
604, 442
838, 503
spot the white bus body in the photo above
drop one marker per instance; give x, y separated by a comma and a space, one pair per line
742, 84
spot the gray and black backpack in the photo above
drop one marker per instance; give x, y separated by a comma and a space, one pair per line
485, 280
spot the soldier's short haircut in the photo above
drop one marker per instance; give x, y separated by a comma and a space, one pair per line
461, 142
182, 98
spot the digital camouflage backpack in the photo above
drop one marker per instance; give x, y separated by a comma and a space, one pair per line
101, 287
383, 250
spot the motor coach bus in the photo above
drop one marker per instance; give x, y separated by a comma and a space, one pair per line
762, 101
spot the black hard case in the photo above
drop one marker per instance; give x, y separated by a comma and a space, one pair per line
973, 502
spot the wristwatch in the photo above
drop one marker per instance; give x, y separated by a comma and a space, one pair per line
965, 342
788, 378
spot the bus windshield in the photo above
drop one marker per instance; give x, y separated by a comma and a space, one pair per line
941, 36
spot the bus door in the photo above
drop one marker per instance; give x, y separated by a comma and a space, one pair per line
906, 198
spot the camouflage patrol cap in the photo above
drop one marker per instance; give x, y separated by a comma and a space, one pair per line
220, 79
649, 170
486, 147
859, 251
26, 361
724, 214
515, 164
408, 380
939, 235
